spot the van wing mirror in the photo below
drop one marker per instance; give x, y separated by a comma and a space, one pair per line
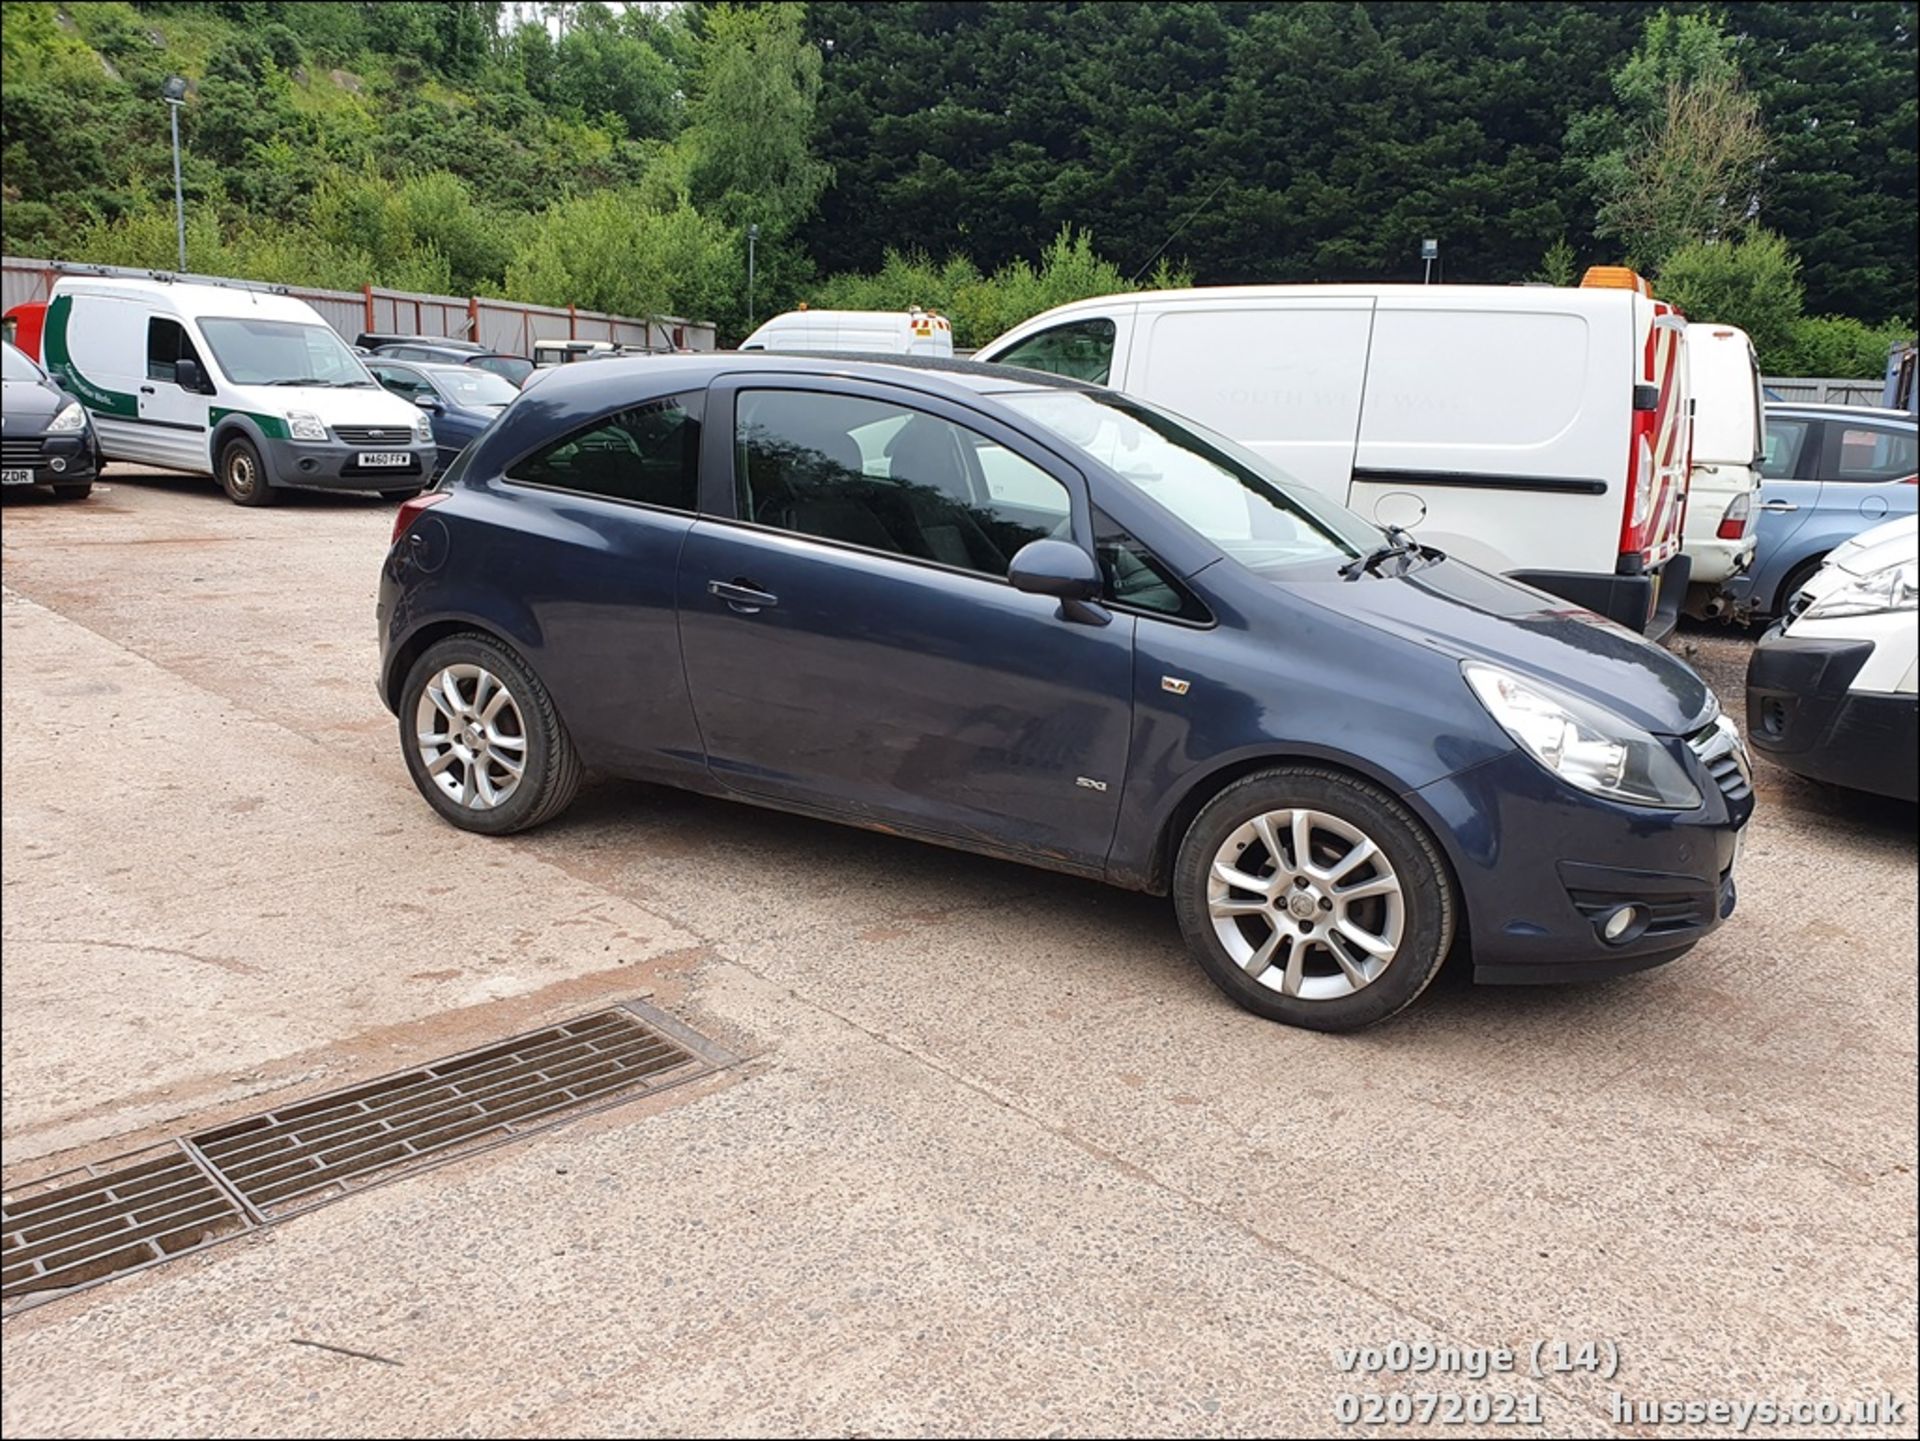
186, 375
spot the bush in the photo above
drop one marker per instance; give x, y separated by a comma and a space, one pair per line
1837, 347
1753, 283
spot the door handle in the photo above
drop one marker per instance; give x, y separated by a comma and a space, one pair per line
1778, 507
146, 390
740, 596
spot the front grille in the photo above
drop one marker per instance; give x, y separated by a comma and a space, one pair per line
1724, 755
21, 452
375, 434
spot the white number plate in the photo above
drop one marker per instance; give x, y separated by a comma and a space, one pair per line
16, 477
385, 457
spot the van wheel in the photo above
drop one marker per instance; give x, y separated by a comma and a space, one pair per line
243, 475
73, 492
1314, 898
483, 740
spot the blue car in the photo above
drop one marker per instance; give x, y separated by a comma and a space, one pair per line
1828, 473
462, 399
1031, 617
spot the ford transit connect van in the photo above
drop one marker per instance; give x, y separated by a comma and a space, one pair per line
248, 386
1538, 432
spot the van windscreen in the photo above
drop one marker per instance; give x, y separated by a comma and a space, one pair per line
281, 352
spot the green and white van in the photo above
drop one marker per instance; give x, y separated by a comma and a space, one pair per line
245, 385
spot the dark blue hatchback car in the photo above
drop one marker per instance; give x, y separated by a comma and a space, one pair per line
1030, 617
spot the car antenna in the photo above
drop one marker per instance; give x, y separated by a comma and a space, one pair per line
1180, 227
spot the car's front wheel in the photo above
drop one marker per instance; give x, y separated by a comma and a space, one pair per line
1312, 897
482, 738
244, 476
77, 491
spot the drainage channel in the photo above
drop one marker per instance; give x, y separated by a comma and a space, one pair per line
81, 1227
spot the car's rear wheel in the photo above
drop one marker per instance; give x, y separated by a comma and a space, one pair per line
1796, 582
79, 491
244, 476
482, 738
1312, 897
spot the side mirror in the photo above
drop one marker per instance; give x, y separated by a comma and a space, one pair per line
186, 375
429, 402
1059, 568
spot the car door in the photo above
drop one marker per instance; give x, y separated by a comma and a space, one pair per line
173, 419
1866, 470
1789, 495
852, 644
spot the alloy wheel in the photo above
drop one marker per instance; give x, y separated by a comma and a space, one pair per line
1306, 904
472, 738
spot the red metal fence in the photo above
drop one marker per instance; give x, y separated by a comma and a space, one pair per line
505, 325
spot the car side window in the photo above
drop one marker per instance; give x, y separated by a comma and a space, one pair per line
167, 341
1785, 440
648, 454
1081, 349
1874, 453
1134, 577
889, 478
403, 383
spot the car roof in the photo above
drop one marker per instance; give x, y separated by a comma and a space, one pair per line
932, 375
1828, 409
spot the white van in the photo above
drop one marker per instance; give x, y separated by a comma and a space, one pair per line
1540, 432
238, 383
869, 332
1729, 436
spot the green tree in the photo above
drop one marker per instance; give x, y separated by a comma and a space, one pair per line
1752, 282
610, 252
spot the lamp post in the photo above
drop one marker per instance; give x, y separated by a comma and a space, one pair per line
1429, 252
753, 235
175, 92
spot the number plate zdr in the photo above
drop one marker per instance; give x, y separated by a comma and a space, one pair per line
16, 477
385, 457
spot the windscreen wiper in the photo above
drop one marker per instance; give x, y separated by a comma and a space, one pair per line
1400, 542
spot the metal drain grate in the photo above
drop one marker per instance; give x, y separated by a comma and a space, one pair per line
85, 1226
305, 1155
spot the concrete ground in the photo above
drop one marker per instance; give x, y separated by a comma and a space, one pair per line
1001, 1161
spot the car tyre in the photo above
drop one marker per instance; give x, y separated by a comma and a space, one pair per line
1795, 583
470, 786
243, 475
78, 491
1401, 886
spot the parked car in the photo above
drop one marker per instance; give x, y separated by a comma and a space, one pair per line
245, 385
374, 339
462, 399
514, 368
1831, 688
1901, 392
20, 327
1539, 432
1829, 472
1026, 616
862, 332
45, 436
1728, 442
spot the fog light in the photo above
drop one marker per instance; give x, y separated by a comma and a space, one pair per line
1620, 922
57, 464
307, 464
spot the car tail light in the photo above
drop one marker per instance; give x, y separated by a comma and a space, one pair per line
412, 510
1733, 525
1911, 480
1638, 509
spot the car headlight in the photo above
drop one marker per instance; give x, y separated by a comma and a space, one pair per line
1585, 745
72, 417
423, 429
1895, 588
305, 425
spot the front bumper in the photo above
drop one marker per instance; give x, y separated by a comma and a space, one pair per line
77, 457
331, 465
1803, 714
1542, 865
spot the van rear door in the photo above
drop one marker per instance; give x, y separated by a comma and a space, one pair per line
96, 346
1282, 376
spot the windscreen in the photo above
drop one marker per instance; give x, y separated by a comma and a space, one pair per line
281, 352
1258, 516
